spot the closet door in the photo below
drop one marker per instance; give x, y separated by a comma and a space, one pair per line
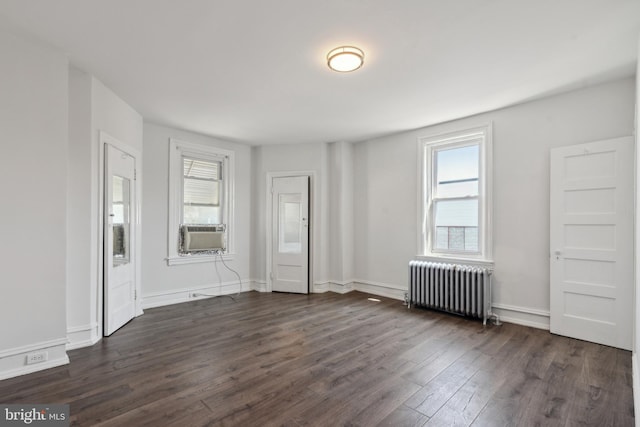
591, 241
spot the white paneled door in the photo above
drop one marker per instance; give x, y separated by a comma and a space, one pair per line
119, 232
290, 234
591, 241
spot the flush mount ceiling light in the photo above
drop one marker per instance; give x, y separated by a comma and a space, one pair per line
345, 58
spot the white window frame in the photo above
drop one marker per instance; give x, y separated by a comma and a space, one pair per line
427, 147
177, 150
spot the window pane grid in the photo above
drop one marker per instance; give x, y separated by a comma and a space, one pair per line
455, 196
456, 171
460, 239
456, 224
201, 191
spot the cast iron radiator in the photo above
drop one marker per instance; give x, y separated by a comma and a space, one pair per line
455, 288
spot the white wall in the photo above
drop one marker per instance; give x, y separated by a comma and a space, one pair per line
340, 231
33, 173
92, 108
292, 158
79, 209
163, 284
111, 114
385, 200
332, 238
386, 190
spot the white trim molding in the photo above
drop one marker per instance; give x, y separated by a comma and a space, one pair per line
259, 285
455, 260
525, 316
382, 289
332, 286
365, 286
82, 336
13, 361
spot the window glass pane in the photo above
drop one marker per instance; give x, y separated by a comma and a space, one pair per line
202, 215
456, 225
120, 206
471, 239
457, 171
290, 224
201, 191
197, 192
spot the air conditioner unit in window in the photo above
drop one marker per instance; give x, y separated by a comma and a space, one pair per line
202, 238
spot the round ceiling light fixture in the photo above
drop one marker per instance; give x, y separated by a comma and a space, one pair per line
345, 59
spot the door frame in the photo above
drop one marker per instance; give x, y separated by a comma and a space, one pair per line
269, 225
105, 138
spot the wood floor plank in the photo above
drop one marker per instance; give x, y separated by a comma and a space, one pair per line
469, 400
265, 359
403, 416
439, 390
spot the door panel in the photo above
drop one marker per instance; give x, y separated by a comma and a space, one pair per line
591, 241
119, 268
290, 246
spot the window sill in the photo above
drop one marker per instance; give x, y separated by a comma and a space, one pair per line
197, 259
456, 260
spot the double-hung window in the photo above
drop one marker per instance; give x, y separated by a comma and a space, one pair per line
456, 195
200, 193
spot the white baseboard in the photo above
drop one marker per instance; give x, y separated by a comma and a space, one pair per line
332, 286
176, 296
525, 316
82, 336
374, 288
381, 289
259, 286
13, 362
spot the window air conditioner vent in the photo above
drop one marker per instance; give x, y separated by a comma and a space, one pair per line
201, 238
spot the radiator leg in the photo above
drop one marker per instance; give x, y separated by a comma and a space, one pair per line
496, 319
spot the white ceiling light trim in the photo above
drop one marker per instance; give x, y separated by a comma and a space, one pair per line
345, 59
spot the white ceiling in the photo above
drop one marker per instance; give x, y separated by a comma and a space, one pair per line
255, 71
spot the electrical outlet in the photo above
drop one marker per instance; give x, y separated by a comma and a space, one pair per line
37, 357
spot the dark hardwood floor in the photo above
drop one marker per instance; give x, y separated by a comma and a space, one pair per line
330, 360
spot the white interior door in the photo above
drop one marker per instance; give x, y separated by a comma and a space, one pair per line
290, 234
591, 240
119, 232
